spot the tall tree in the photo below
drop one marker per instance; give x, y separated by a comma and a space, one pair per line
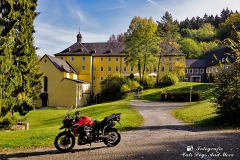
167, 30
20, 74
142, 44
228, 28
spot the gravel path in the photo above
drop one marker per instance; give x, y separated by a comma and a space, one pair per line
161, 137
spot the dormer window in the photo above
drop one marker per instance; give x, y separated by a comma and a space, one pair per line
72, 58
61, 58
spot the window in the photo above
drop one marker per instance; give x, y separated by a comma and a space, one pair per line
177, 59
94, 78
117, 59
45, 84
201, 71
162, 69
186, 70
83, 58
101, 78
170, 58
116, 68
125, 59
83, 67
72, 58
191, 71
154, 69
109, 59
109, 69
61, 58
124, 69
101, 59
131, 69
101, 69
170, 68
196, 70
94, 69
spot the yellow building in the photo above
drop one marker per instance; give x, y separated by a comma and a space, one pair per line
86, 65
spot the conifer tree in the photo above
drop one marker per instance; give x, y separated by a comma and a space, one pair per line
20, 74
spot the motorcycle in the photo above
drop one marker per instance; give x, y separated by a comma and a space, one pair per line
86, 131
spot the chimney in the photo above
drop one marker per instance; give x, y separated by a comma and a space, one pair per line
79, 37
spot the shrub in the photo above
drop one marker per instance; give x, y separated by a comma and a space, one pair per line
116, 86
181, 96
149, 82
7, 121
170, 79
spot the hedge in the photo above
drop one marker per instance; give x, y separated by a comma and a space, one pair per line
181, 96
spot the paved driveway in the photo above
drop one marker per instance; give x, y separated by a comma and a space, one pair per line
161, 137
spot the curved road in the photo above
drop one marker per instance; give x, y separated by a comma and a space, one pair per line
160, 137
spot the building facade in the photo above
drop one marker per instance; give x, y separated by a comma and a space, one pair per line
87, 64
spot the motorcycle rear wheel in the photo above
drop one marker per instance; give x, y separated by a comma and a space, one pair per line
114, 139
64, 141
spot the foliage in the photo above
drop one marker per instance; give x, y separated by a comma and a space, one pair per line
142, 44
190, 48
170, 79
228, 28
149, 81
227, 92
178, 68
116, 86
20, 76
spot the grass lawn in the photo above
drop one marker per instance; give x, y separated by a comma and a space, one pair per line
45, 124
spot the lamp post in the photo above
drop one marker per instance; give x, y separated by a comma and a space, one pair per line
191, 94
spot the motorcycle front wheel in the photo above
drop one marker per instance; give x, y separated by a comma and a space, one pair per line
64, 141
114, 138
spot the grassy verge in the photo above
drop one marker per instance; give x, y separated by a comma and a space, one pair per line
45, 124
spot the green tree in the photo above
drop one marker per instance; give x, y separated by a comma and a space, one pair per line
20, 74
227, 86
190, 47
142, 44
168, 31
228, 28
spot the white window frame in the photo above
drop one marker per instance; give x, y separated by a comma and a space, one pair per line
101, 78
101, 68
124, 68
201, 71
132, 69
191, 71
196, 71
94, 78
109, 68
124, 59
116, 59
162, 69
83, 58
83, 67
61, 58
101, 59
109, 59
186, 71
170, 59
117, 69
72, 58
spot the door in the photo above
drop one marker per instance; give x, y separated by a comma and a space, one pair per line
44, 101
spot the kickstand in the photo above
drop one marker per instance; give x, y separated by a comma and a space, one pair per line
90, 147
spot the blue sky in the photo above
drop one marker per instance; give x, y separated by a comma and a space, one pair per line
58, 24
